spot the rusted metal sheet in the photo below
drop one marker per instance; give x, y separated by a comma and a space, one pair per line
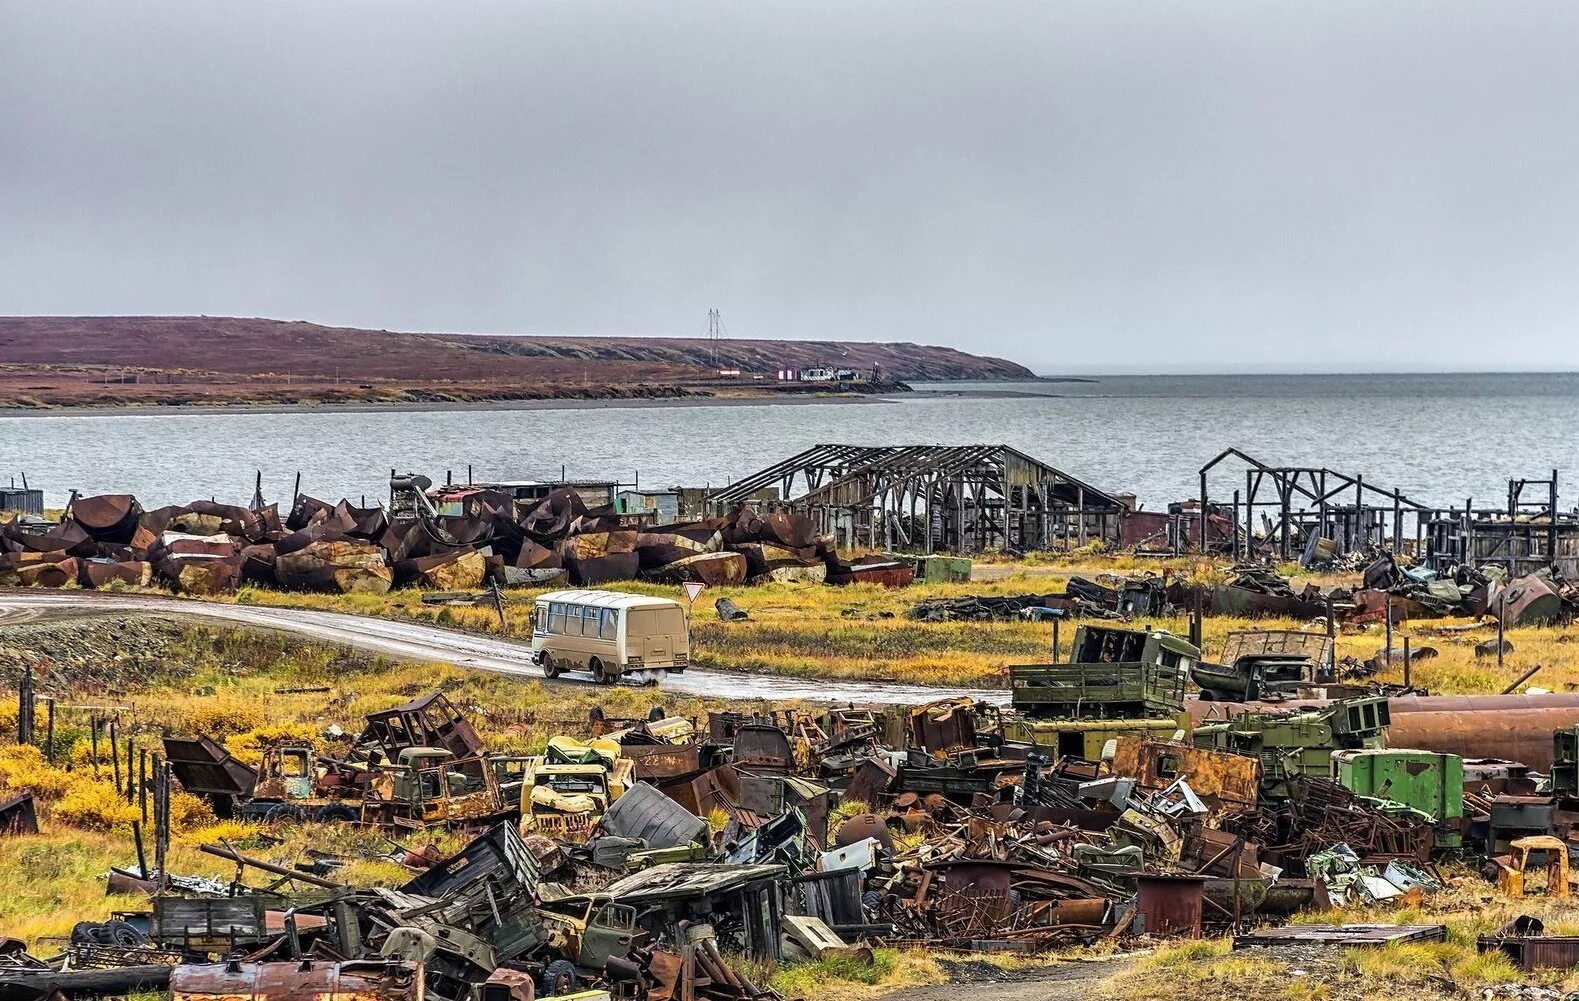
1524, 941
660, 762
1169, 905
971, 897
107, 517
713, 569
206, 768
885, 573
18, 815
943, 726
1222, 779
763, 745
303, 980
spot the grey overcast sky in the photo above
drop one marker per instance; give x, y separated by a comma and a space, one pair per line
1106, 185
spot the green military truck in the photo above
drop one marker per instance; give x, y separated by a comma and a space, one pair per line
1112, 673
1300, 742
1117, 682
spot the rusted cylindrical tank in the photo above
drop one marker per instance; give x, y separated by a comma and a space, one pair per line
1515, 727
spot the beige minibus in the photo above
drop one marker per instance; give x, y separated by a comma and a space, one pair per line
612, 635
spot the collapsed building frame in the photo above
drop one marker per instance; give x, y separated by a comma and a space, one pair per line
1529, 534
931, 498
1312, 503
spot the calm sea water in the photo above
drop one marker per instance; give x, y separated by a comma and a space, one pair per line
1439, 438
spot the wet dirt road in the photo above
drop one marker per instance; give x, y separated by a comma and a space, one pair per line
416, 641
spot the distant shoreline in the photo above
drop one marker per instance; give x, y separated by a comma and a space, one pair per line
440, 406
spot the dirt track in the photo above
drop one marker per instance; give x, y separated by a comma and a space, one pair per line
1072, 981
415, 641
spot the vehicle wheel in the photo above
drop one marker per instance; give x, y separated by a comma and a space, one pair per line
279, 812
602, 674
550, 668
123, 935
86, 933
559, 977
334, 813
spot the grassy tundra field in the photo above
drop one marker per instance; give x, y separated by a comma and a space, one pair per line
861, 631
234, 686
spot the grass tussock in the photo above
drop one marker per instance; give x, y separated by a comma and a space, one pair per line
849, 979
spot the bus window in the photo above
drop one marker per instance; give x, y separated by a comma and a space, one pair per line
556, 617
578, 621
611, 624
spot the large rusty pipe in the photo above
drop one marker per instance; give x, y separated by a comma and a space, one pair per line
1516, 727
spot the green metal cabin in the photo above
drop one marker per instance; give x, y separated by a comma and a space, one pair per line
1113, 673
1299, 743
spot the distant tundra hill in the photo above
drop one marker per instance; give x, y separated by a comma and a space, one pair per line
51, 361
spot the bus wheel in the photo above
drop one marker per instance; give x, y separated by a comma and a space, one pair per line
603, 675
550, 668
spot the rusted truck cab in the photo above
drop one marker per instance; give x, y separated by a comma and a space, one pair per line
429, 786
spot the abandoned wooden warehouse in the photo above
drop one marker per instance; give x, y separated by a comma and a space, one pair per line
933, 498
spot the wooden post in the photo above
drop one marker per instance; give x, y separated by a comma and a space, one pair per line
142, 783
1407, 683
1055, 638
498, 606
93, 734
24, 707
1551, 527
1389, 613
131, 777
1502, 622
1332, 641
1234, 541
115, 752
1204, 520
142, 856
49, 731
1197, 623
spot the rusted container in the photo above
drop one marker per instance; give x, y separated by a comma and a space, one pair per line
299, 980
1170, 905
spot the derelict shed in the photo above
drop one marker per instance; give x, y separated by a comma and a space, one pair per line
928, 498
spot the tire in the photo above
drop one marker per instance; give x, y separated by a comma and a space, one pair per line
123, 935
279, 812
559, 977
550, 669
334, 813
601, 674
86, 933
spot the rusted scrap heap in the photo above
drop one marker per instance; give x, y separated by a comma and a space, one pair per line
1108, 597
637, 857
208, 548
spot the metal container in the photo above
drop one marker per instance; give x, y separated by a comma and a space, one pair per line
1169, 905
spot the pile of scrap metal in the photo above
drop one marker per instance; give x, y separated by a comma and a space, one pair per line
1254, 591
1108, 597
1420, 592
208, 548
416, 765
486, 924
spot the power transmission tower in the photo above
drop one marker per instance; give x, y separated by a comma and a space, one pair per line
715, 326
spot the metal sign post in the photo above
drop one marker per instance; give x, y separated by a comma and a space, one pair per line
693, 590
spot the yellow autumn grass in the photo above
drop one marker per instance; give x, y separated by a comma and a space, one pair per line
861, 632
1468, 906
